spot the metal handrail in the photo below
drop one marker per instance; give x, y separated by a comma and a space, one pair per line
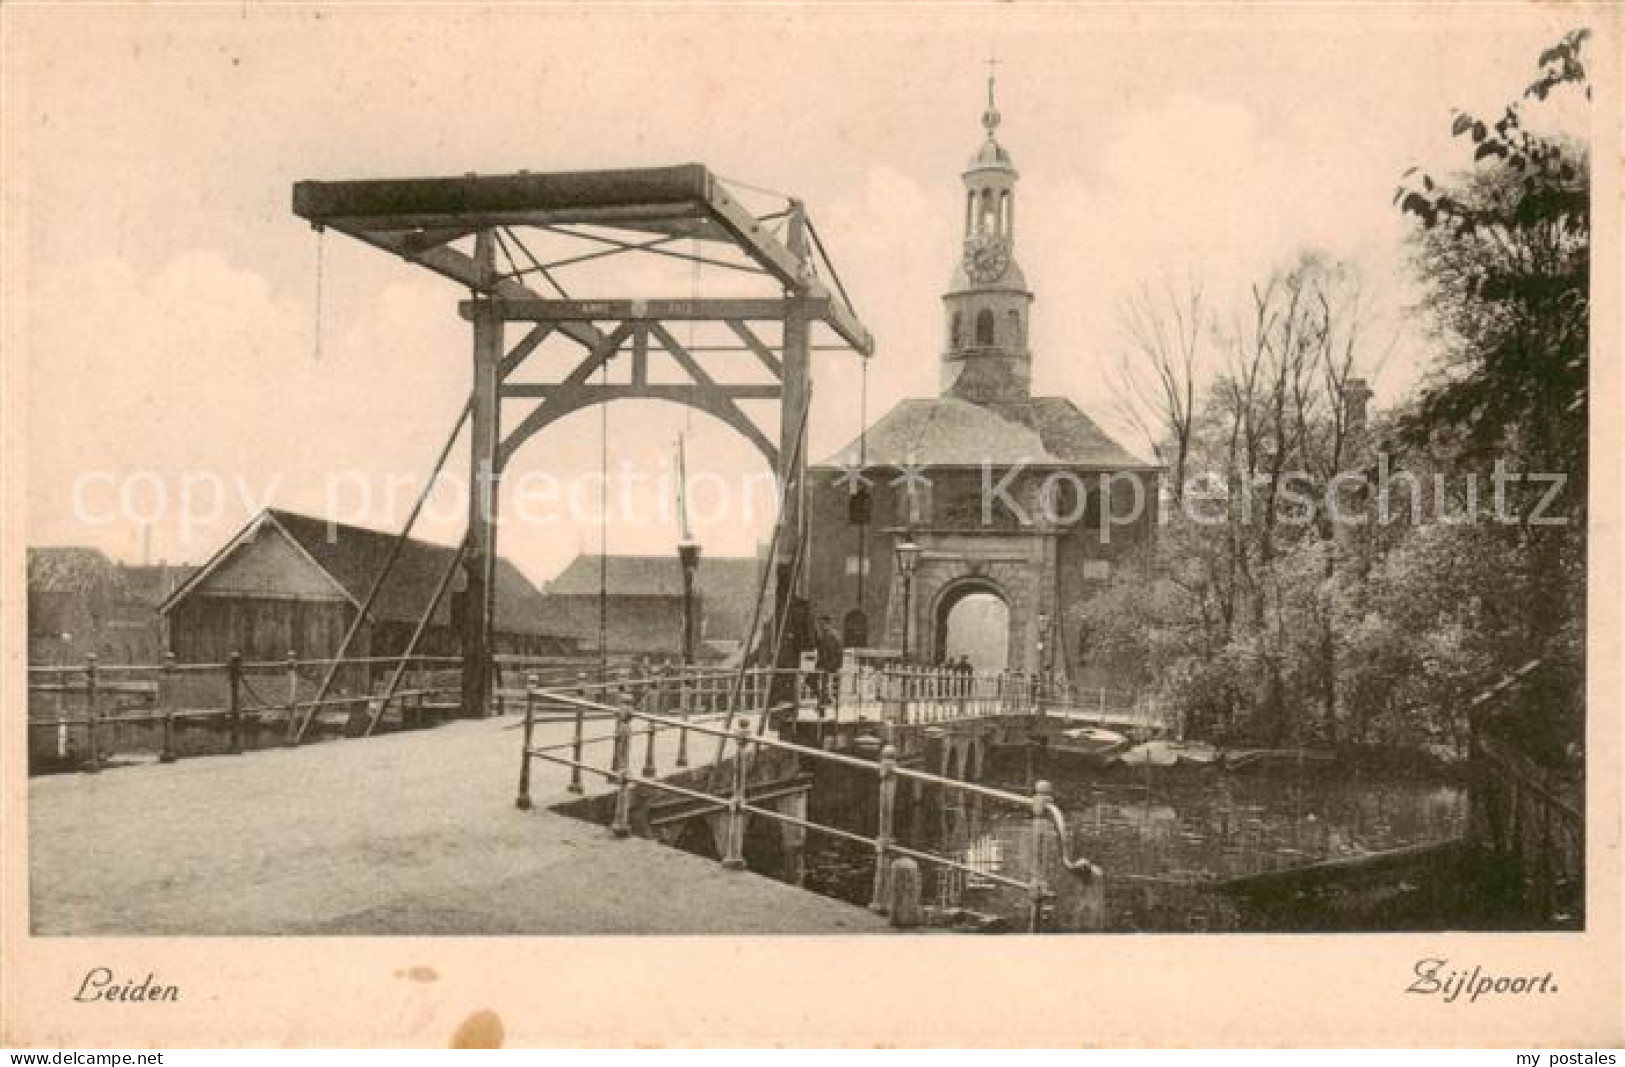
1040, 804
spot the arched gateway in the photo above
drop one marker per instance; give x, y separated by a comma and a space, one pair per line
960, 478
972, 619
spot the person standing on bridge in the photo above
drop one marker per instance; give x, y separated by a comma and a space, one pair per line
828, 660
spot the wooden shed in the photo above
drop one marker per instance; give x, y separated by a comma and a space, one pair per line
293, 583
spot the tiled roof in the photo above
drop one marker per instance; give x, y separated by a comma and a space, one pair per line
655, 575
946, 431
727, 587
151, 583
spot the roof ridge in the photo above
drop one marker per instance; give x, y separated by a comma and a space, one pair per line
284, 513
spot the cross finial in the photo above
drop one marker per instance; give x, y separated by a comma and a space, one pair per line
990, 117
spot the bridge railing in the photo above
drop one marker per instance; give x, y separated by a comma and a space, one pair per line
81, 715
914, 695
727, 791
1108, 704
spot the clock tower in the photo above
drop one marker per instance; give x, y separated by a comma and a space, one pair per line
987, 304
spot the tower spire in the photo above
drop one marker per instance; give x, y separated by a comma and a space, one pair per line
990, 117
987, 358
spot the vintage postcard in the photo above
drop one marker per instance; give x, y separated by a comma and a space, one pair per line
811, 524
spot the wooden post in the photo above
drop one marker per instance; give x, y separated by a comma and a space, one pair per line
168, 752
94, 763
905, 893
621, 765
879, 900
523, 800
484, 431
293, 697
1037, 891
685, 699
234, 697
649, 753
575, 751
734, 858
792, 472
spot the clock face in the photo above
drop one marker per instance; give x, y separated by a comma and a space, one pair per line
986, 259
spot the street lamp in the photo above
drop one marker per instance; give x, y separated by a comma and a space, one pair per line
908, 558
688, 553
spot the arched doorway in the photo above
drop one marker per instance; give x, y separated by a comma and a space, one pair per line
973, 621
855, 629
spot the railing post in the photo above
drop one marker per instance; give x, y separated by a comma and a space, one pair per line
166, 754
522, 802
649, 769
575, 750
293, 695
734, 860
622, 825
234, 698
685, 695
91, 714
879, 900
1037, 891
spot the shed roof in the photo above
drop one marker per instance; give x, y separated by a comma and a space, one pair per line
353, 555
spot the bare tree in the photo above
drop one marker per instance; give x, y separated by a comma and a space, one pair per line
1155, 382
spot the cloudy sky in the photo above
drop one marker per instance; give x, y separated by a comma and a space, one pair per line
168, 297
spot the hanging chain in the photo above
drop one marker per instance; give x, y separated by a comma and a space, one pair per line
863, 462
863, 412
693, 324
603, 529
316, 329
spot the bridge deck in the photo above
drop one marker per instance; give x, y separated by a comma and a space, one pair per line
409, 833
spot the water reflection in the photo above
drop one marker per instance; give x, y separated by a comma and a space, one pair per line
1163, 840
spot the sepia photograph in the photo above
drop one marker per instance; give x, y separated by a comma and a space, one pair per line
808, 485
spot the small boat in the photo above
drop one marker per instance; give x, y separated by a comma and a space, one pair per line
1277, 759
1168, 754
1090, 744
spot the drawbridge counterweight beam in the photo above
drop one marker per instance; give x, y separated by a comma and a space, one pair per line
417, 218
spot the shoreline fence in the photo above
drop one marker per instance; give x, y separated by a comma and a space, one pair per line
81, 716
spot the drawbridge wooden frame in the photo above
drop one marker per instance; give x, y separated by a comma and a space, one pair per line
645, 211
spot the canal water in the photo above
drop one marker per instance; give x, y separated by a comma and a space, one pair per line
1163, 836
